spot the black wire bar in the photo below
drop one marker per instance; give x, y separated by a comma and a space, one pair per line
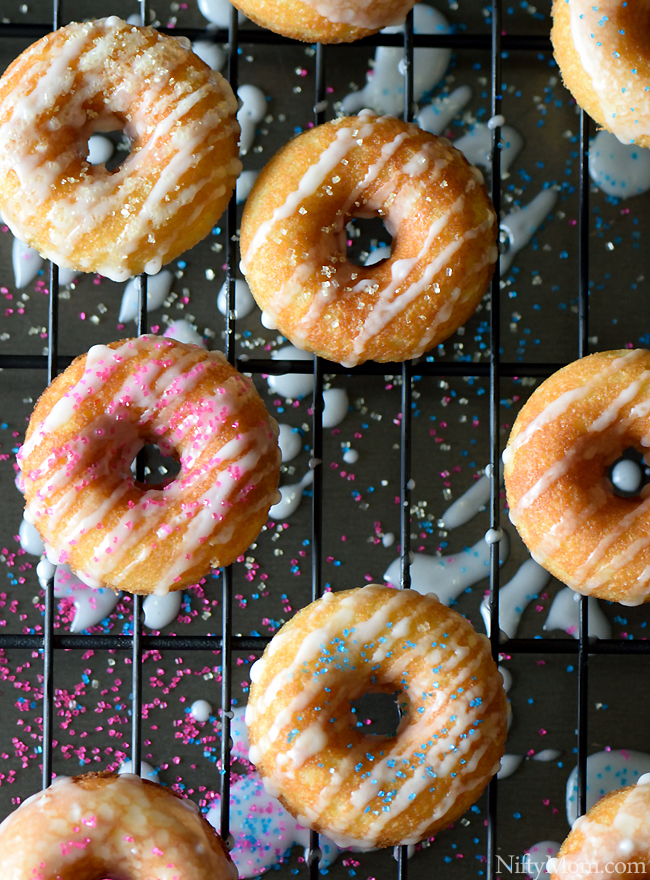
227, 642
583, 351
495, 397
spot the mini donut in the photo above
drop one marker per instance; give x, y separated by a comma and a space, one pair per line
325, 21
612, 840
376, 791
102, 825
603, 54
433, 203
179, 116
574, 426
88, 427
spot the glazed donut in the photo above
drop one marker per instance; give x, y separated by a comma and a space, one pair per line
370, 791
574, 426
612, 840
325, 21
293, 237
604, 60
166, 196
88, 427
100, 825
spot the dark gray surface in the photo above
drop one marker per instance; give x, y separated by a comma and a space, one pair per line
539, 323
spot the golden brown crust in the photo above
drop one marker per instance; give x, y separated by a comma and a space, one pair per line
300, 21
420, 185
560, 499
321, 661
116, 823
132, 222
96, 781
96, 476
573, 74
578, 843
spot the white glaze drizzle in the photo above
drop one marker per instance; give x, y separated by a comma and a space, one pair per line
534, 861
156, 387
606, 771
315, 176
448, 576
587, 443
384, 91
591, 573
411, 277
264, 831
560, 405
122, 826
601, 848
526, 585
435, 737
99, 193
564, 614
600, 42
435, 117
160, 611
371, 14
620, 170
91, 606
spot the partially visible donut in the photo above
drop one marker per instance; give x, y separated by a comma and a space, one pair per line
325, 21
85, 432
612, 840
179, 115
573, 427
374, 791
433, 203
102, 825
603, 52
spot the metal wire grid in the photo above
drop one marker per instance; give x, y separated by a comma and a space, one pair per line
229, 643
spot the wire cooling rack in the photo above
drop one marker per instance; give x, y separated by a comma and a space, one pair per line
426, 373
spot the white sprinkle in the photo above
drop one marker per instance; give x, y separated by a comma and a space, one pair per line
201, 710
493, 536
496, 122
350, 456
626, 475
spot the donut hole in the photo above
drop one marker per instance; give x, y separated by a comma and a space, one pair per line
367, 240
153, 468
108, 144
629, 474
378, 713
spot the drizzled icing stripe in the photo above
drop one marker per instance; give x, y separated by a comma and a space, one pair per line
316, 273
313, 178
588, 547
388, 309
117, 824
106, 72
562, 404
607, 845
602, 46
369, 14
152, 401
439, 732
586, 445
